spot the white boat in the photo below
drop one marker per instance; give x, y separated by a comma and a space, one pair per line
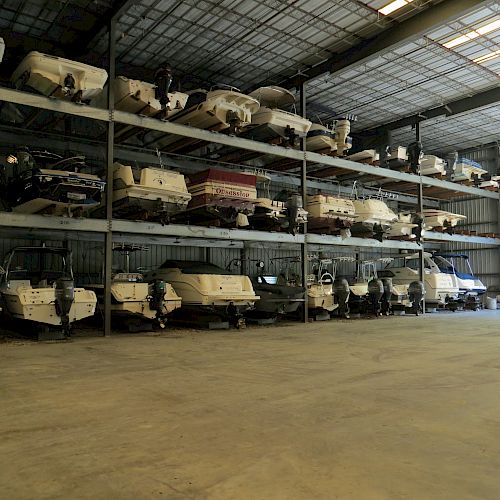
432, 165
37, 285
439, 286
459, 268
367, 155
148, 192
329, 213
206, 286
321, 138
59, 77
373, 217
270, 123
467, 170
491, 183
135, 96
403, 227
41, 182
440, 218
220, 108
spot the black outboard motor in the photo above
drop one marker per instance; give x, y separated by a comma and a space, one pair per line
414, 151
65, 296
416, 293
235, 317
295, 211
163, 81
342, 291
386, 307
375, 293
157, 300
290, 137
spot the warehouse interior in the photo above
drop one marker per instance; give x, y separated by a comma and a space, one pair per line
250, 249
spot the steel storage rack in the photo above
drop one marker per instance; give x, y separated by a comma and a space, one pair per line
109, 229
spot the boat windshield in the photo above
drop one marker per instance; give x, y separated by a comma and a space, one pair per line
194, 267
38, 265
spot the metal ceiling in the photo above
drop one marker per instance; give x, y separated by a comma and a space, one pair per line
247, 42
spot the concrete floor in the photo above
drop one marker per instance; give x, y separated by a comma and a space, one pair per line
394, 408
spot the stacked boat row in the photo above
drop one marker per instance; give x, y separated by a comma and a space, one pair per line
40, 182
37, 285
265, 114
453, 168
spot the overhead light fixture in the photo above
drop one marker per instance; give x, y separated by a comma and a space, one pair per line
484, 30
488, 57
395, 5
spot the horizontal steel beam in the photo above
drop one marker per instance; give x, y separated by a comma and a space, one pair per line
33, 222
459, 238
485, 98
400, 33
324, 240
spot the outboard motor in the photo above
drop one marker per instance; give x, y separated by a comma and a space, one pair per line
386, 307
65, 296
416, 293
163, 81
296, 213
415, 153
341, 291
235, 317
290, 137
375, 293
157, 300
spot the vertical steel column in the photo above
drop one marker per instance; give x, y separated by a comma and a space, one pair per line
303, 185
421, 261
108, 242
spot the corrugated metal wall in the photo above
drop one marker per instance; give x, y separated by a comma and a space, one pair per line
482, 216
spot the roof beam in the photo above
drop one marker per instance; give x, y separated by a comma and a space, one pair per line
408, 30
119, 8
451, 108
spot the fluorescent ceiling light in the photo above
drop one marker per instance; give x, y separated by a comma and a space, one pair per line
395, 5
484, 30
488, 57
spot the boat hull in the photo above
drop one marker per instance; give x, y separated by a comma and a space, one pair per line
38, 304
46, 74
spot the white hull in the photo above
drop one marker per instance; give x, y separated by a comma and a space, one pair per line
38, 304
432, 165
440, 218
373, 211
321, 297
320, 138
330, 207
46, 74
135, 96
466, 172
403, 227
279, 120
152, 185
133, 298
208, 289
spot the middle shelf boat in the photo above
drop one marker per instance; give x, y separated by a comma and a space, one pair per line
373, 218
330, 214
467, 170
321, 138
147, 193
434, 218
284, 212
40, 182
207, 288
403, 227
220, 198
